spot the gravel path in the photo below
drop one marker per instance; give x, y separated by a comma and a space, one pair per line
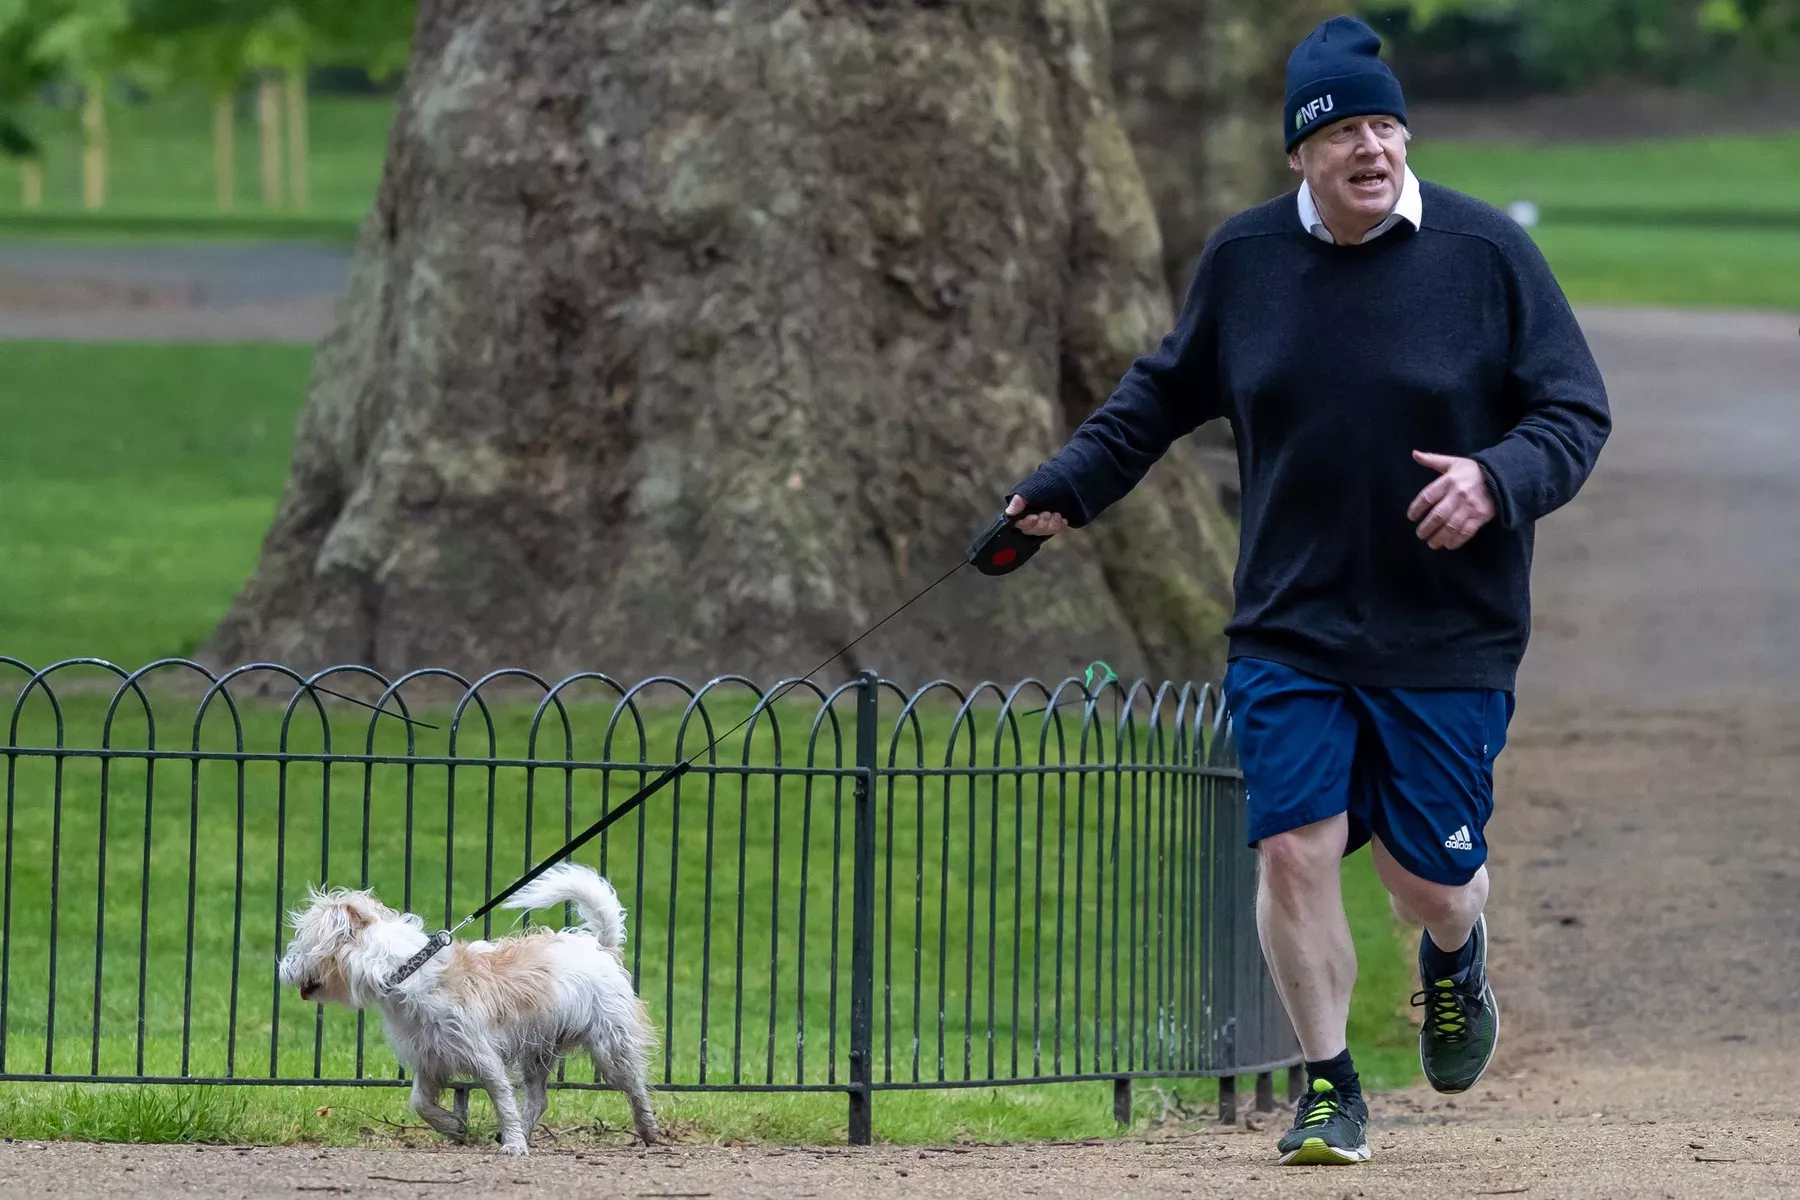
284, 292
1647, 877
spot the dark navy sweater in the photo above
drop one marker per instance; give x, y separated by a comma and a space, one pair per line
1333, 363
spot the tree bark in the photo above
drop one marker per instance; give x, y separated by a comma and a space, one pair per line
268, 124
225, 149
693, 338
1200, 84
299, 140
93, 153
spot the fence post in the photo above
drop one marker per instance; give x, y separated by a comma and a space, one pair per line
862, 915
1122, 1101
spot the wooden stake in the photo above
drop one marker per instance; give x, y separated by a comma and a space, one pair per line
299, 184
268, 113
93, 155
225, 150
31, 184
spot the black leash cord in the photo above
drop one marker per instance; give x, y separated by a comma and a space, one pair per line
442, 938
1000, 550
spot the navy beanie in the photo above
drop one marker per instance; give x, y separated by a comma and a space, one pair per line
1335, 73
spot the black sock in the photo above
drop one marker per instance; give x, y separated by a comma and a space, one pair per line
1441, 964
1339, 1072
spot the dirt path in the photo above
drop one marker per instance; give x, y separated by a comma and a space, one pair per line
282, 292
1577, 1157
1647, 881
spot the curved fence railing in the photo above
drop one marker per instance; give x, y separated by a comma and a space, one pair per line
865, 888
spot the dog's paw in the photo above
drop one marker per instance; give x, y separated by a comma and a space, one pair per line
514, 1149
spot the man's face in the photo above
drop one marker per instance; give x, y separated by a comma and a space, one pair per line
1354, 167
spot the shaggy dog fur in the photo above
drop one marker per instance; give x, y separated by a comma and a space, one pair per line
481, 1008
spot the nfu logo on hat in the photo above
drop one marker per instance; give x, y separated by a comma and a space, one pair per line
1312, 109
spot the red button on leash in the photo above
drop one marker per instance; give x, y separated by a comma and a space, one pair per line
1003, 548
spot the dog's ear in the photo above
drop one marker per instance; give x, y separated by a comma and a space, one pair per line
358, 917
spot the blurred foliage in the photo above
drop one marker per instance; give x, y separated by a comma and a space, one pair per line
1459, 48
1476, 47
149, 44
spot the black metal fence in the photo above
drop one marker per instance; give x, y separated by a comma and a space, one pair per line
865, 889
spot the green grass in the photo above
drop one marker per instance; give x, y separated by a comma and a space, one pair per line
115, 228
141, 479
1644, 222
1080, 891
1666, 221
1666, 176
1723, 268
160, 159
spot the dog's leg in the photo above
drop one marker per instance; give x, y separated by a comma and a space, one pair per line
492, 1073
536, 1079
625, 1069
425, 1092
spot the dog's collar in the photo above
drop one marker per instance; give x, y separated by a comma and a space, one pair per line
411, 966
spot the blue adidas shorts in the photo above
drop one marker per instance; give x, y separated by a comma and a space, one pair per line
1414, 767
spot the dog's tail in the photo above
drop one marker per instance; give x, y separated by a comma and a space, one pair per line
594, 899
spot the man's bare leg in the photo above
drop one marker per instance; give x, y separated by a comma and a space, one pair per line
1447, 913
1305, 935
1306, 942
1462, 1019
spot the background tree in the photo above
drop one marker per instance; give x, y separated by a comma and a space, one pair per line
1500, 48
88, 42
226, 43
23, 72
1200, 84
691, 338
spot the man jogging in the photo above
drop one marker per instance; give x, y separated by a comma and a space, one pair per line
1409, 392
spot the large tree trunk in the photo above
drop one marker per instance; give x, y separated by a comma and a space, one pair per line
1200, 84
694, 337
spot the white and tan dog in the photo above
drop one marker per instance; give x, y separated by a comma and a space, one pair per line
478, 1009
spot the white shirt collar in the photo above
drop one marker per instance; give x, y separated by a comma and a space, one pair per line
1409, 208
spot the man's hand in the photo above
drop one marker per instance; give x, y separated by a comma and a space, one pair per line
1455, 505
1037, 524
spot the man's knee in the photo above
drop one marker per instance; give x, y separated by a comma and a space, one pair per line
1304, 858
1422, 902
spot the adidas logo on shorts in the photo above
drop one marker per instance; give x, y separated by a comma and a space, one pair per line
1459, 840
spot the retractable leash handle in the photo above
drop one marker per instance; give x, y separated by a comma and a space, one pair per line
1003, 547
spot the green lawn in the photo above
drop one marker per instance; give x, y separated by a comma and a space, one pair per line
1666, 177
739, 893
140, 481
1724, 268
1632, 222
160, 159
1639, 222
